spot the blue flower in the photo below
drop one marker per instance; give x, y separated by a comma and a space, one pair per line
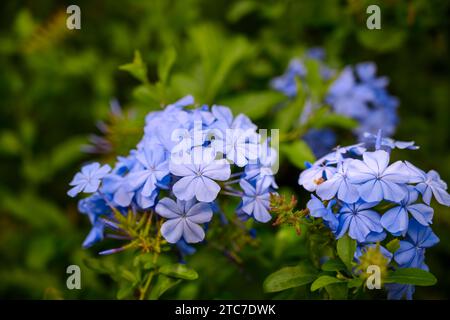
398, 291
359, 220
318, 210
94, 207
239, 146
396, 219
184, 218
321, 141
339, 184
118, 187
88, 180
255, 201
411, 253
433, 184
359, 94
198, 171
315, 174
225, 120
379, 142
153, 167
287, 83
263, 169
348, 97
377, 180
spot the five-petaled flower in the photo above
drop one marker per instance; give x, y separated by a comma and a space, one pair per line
183, 219
359, 220
396, 219
198, 171
376, 180
256, 200
88, 180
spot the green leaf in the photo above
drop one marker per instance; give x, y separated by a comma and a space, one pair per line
355, 283
337, 291
254, 104
99, 266
323, 118
9, 143
346, 248
333, 265
162, 284
314, 80
383, 40
147, 94
393, 245
241, 9
137, 68
125, 291
165, 64
288, 116
412, 276
290, 277
323, 281
298, 152
180, 271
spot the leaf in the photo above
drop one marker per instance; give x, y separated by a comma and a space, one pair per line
99, 266
254, 104
125, 291
290, 277
412, 276
323, 281
137, 68
162, 284
34, 210
180, 271
298, 153
355, 283
288, 116
9, 143
383, 40
165, 64
346, 248
241, 9
393, 245
337, 291
323, 118
333, 265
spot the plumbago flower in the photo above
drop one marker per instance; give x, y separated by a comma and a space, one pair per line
188, 160
355, 92
360, 193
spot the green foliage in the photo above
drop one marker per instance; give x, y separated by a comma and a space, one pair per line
413, 276
346, 248
323, 281
290, 277
298, 153
180, 271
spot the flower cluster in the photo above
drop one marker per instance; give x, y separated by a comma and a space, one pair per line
359, 94
360, 193
356, 92
186, 159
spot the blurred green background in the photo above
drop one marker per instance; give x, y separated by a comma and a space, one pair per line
56, 84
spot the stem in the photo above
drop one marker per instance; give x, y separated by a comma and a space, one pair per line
232, 181
144, 290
